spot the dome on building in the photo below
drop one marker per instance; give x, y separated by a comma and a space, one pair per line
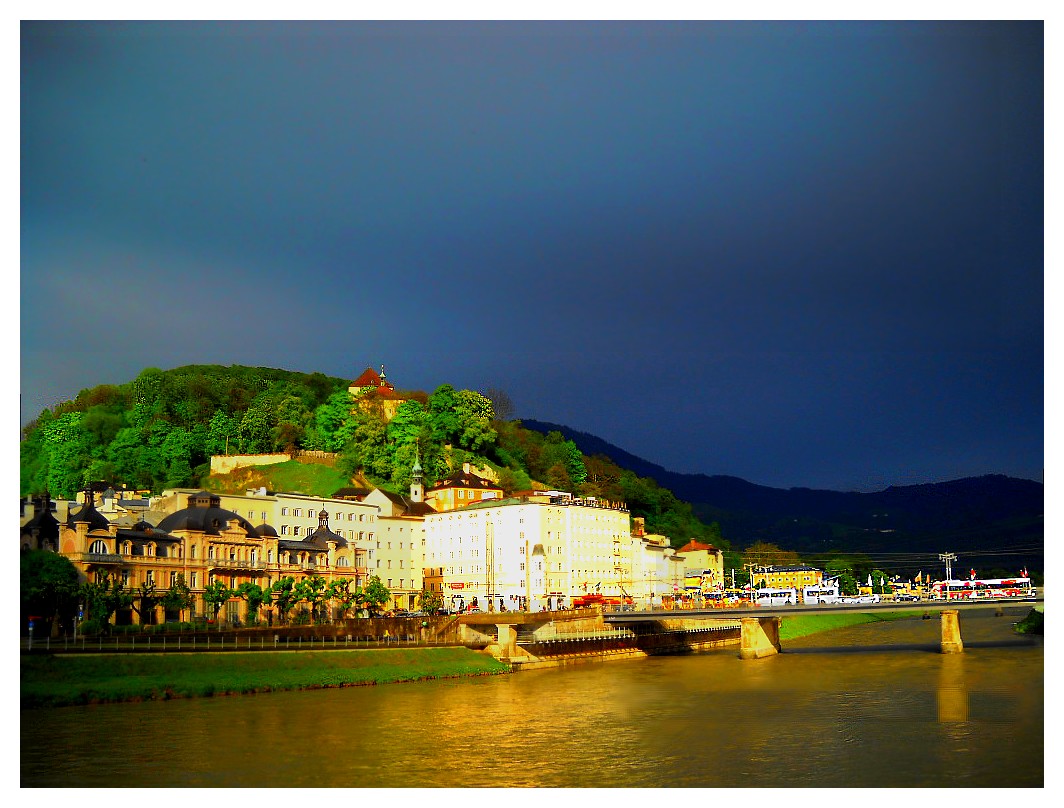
88, 513
205, 514
43, 522
322, 536
266, 532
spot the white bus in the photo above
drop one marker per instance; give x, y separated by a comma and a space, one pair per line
827, 592
777, 597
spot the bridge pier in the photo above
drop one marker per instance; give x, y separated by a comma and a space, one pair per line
507, 639
759, 637
951, 632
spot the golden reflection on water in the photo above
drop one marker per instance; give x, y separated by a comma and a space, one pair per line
827, 712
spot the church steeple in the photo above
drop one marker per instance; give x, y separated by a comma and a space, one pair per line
417, 477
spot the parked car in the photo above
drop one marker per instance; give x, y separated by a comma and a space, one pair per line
910, 598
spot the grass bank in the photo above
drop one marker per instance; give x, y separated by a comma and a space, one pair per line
803, 625
66, 679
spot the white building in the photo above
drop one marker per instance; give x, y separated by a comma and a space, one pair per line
535, 551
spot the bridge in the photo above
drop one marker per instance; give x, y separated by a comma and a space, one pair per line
760, 625
528, 637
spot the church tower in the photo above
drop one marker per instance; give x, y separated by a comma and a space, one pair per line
417, 480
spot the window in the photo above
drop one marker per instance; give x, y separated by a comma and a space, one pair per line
389, 563
192, 551
193, 579
401, 583
297, 512
125, 577
98, 547
284, 530
522, 548
210, 551
284, 511
522, 567
173, 579
400, 563
149, 577
269, 556
295, 530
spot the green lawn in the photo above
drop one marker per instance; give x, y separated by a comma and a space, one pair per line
312, 479
803, 625
64, 679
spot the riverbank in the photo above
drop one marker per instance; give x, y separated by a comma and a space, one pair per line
804, 625
62, 680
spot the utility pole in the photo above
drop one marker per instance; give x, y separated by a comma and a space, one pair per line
948, 557
750, 569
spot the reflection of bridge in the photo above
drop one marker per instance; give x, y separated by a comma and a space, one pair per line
524, 637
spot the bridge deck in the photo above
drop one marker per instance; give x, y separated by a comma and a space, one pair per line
834, 608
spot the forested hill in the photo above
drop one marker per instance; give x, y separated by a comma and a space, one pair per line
980, 513
160, 430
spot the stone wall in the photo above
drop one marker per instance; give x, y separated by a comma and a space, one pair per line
223, 464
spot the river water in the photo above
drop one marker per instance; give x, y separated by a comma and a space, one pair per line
867, 706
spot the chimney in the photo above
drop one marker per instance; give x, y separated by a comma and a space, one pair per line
465, 468
639, 528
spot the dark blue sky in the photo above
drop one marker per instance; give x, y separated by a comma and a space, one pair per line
799, 253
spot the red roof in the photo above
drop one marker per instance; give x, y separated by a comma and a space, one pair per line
369, 378
694, 546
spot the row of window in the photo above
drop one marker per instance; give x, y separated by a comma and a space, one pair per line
337, 517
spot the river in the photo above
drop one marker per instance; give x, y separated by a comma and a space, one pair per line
868, 706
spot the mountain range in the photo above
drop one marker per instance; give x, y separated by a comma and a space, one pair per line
993, 521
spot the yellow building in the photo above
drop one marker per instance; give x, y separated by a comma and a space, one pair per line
796, 576
703, 562
460, 489
200, 543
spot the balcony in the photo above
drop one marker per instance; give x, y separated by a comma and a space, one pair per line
235, 564
101, 558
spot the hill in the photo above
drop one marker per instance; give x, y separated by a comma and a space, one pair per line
993, 520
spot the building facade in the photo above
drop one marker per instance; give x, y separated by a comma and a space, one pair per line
199, 544
460, 489
785, 577
533, 552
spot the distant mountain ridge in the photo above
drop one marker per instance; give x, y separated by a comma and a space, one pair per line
993, 513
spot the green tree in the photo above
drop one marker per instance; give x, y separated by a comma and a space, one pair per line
341, 593
334, 424
178, 597
312, 589
284, 596
146, 598
474, 414
429, 602
256, 427
102, 599
215, 595
375, 595
222, 433
842, 570
48, 586
254, 595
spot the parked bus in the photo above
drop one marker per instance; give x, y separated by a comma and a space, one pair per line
777, 597
983, 588
827, 592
